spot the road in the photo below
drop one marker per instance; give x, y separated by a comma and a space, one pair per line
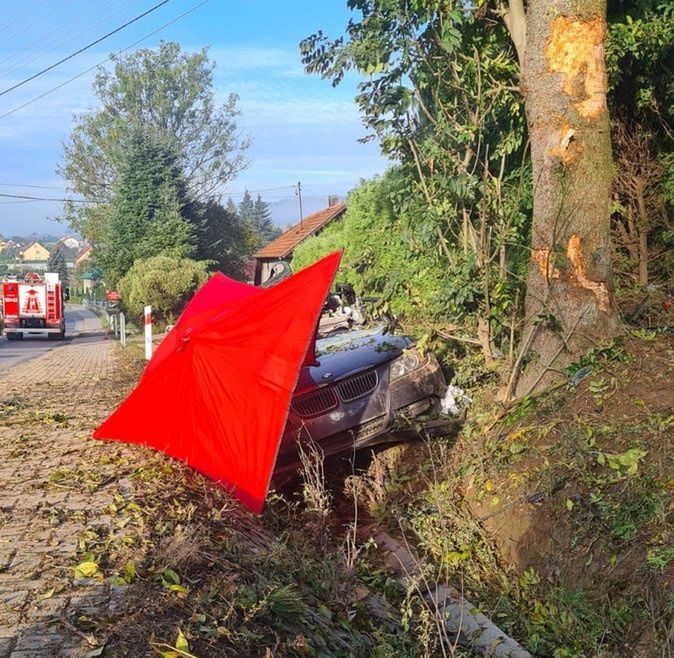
80, 322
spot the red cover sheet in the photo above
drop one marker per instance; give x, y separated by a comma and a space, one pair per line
216, 393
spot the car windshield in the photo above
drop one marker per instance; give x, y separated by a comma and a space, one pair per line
347, 340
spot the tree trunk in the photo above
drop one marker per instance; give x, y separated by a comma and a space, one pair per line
570, 303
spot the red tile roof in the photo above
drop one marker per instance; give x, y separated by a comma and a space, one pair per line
284, 245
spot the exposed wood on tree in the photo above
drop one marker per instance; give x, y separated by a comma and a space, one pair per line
564, 83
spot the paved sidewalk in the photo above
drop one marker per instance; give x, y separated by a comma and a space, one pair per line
56, 490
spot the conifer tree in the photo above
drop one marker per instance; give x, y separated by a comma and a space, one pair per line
247, 208
231, 208
58, 263
262, 221
149, 212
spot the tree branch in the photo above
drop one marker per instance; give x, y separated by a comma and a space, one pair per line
515, 20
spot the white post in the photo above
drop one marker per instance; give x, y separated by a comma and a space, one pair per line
122, 329
148, 332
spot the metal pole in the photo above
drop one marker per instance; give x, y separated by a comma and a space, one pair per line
299, 194
122, 329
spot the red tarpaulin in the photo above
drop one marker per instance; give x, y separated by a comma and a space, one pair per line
217, 391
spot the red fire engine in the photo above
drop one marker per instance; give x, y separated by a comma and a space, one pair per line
33, 306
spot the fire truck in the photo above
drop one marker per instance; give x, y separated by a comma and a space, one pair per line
33, 306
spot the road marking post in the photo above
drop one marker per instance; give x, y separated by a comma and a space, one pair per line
148, 332
122, 329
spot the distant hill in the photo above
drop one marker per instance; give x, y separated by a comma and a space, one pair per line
42, 238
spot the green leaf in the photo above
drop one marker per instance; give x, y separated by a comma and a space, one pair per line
86, 570
176, 588
130, 572
181, 642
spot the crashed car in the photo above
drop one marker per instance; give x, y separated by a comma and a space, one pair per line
364, 390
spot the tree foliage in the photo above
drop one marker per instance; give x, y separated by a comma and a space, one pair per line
256, 213
222, 238
382, 256
263, 224
168, 93
440, 93
640, 56
165, 282
58, 262
148, 212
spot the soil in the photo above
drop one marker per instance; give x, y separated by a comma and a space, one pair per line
546, 515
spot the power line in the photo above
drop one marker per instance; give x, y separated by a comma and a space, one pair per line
58, 42
33, 22
81, 50
34, 187
107, 59
25, 13
268, 189
38, 198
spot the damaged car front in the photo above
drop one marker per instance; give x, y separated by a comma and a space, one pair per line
364, 389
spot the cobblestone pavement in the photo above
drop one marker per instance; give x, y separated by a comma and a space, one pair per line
56, 489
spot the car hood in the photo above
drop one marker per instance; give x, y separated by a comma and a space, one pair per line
347, 353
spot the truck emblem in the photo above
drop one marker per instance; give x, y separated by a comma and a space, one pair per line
32, 302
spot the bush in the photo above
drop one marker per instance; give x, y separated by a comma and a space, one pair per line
383, 257
165, 282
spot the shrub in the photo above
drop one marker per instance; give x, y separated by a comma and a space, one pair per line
381, 255
164, 282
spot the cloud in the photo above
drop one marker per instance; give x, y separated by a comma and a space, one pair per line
236, 59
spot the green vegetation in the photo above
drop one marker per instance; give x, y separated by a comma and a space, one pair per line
165, 282
146, 216
256, 214
383, 257
440, 91
166, 94
148, 161
58, 263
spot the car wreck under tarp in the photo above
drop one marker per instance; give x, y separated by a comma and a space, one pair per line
217, 392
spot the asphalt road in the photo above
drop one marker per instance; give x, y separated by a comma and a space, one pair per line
80, 325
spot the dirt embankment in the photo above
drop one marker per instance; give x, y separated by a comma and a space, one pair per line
575, 490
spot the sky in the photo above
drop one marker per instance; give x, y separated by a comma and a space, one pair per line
302, 129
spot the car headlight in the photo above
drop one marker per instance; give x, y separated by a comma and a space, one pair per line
404, 365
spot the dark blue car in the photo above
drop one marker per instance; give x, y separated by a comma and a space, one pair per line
365, 386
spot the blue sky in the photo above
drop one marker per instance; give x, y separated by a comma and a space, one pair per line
301, 127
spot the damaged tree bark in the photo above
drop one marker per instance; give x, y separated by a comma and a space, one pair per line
569, 283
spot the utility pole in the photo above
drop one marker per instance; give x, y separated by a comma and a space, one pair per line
298, 191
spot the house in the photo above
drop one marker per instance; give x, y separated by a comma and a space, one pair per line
34, 252
69, 242
280, 251
84, 255
90, 279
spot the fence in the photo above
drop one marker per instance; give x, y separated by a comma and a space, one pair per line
117, 323
97, 306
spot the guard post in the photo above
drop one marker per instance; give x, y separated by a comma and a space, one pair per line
148, 332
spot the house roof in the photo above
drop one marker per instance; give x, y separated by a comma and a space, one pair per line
284, 245
83, 252
32, 244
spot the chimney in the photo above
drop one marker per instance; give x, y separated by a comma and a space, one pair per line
333, 200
